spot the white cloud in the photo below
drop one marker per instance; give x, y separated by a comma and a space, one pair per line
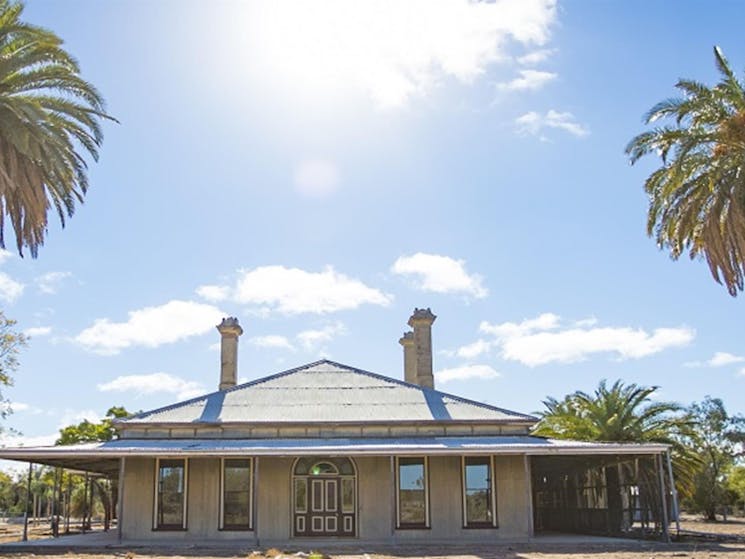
545, 321
479, 347
574, 345
295, 291
539, 341
153, 383
535, 57
150, 327
466, 372
213, 293
528, 80
50, 282
316, 178
38, 331
311, 339
440, 274
722, 358
10, 289
719, 359
533, 123
271, 342
390, 51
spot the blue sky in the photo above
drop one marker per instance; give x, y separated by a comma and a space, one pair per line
320, 171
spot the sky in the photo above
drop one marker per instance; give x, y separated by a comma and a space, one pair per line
320, 170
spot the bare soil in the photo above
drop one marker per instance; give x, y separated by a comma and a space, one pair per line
606, 551
700, 540
733, 526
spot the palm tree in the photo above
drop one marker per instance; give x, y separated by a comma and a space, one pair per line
697, 196
48, 116
623, 413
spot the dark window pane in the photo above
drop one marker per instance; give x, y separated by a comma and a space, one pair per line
478, 491
237, 493
302, 467
171, 494
411, 491
347, 495
301, 495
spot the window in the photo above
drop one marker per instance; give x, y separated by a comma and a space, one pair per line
170, 501
236, 494
412, 494
478, 492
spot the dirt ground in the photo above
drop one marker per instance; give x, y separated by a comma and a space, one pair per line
656, 551
701, 540
734, 526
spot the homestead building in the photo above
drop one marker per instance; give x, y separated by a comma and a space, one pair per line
326, 451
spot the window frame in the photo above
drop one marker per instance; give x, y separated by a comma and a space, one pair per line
221, 520
494, 523
156, 500
412, 526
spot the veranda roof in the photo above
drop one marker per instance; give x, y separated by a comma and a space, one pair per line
104, 457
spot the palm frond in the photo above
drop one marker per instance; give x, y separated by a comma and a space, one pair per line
50, 117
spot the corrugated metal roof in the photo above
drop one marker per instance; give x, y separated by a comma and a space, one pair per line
326, 391
349, 446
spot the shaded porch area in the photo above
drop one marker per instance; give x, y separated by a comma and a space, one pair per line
624, 495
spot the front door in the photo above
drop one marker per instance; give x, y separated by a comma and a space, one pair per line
324, 501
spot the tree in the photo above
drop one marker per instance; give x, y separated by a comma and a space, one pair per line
85, 431
49, 116
697, 196
736, 485
718, 441
622, 413
11, 343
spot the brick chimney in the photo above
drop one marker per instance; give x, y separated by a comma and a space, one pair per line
407, 341
421, 322
229, 331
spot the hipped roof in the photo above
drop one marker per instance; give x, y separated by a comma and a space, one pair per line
326, 392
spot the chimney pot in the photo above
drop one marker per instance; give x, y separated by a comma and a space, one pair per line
229, 331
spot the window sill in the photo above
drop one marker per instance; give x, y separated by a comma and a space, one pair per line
170, 529
413, 527
486, 526
235, 529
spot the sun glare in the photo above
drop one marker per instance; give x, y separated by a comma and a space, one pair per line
389, 51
